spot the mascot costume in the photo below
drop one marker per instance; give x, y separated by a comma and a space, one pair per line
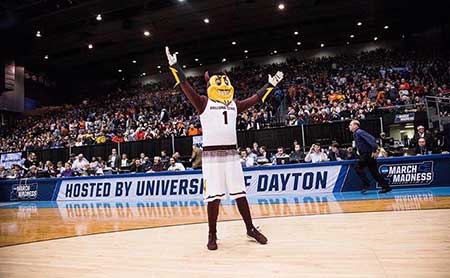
222, 170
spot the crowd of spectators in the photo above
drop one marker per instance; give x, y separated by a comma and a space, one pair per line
313, 91
423, 142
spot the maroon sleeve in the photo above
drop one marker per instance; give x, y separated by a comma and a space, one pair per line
245, 104
199, 102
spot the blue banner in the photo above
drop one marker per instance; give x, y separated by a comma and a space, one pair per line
297, 179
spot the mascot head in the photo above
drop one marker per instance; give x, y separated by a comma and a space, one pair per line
219, 88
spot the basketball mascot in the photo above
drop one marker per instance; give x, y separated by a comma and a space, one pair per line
222, 170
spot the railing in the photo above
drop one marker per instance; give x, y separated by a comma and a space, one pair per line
438, 111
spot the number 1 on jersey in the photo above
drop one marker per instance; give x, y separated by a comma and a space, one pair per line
225, 116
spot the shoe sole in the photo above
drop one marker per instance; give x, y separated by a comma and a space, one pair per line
253, 239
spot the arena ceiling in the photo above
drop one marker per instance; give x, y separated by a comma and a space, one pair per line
67, 27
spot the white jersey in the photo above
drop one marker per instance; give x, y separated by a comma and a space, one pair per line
219, 124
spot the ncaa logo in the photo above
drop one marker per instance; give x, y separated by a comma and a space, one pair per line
384, 170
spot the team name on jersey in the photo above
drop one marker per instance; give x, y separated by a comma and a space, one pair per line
222, 107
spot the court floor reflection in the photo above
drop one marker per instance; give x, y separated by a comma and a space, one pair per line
24, 222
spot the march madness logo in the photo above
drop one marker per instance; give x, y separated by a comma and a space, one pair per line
408, 173
24, 190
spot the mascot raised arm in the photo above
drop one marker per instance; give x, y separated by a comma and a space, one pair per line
222, 170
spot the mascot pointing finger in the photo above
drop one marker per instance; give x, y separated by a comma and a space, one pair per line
222, 170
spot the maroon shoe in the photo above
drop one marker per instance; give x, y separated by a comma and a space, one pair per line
255, 234
212, 241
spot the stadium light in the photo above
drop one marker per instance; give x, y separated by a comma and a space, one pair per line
233, 43
224, 60
322, 45
119, 70
386, 27
146, 33
352, 36
246, 51
206, 20
158, 66
99, 17
46, 57
281, 6
196, 59
296, 33
375, 38
184, 66
90, 46
359, 23
299, 43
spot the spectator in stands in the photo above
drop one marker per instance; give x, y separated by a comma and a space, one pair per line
50, 171
297, 155
3, 172
101, 168
316, 154
125, 163
264, 158
68, 172
246, 160
30, 161
137, 167
142, 158
175, 166
59, 168
336, 154
255, 149
80, 164
196, 157
157, 165
193, 131
350, 154
177, 156
16, 172
32, 172
421, 148
147, 164
93, 166
280, 157
421, 133
114, 160
164, 159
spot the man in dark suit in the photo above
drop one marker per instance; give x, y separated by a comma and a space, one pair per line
421, 133
421, 148
114, 160
367, 148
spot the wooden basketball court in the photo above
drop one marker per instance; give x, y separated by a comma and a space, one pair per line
405, 235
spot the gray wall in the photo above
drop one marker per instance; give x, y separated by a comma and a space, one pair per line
14, 100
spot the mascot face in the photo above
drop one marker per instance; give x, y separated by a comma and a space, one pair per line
219, 88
